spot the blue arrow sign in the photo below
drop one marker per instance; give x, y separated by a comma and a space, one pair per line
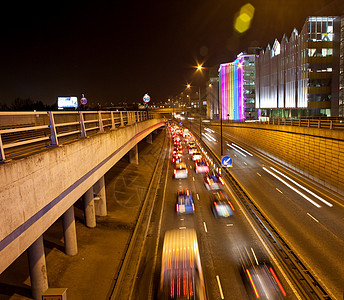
226, 161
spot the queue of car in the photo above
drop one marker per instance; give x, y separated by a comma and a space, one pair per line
181, 271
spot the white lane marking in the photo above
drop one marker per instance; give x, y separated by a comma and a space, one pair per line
304, 188
193, 178
197, 196
205, 227
245, 164
229, 225
190, 167
279, 190
242, 149
181, 219
255, 257
291, 187
220, 288
259, 174
183, 227
235, 149
313, 217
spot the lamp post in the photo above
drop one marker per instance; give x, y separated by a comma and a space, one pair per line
200, 113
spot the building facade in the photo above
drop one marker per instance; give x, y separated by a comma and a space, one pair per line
237, 87
300, 76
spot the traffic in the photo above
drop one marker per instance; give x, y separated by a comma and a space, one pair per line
182, 275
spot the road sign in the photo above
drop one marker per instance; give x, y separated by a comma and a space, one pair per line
226, 161
83, 101
180, 123
146, 98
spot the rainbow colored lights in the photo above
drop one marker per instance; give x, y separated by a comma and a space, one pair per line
232, 89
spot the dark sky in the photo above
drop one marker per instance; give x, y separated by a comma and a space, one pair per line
117, 51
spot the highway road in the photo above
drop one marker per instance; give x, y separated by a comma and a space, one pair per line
308, 217
221, 240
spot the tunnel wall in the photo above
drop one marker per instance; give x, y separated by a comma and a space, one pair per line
36, 190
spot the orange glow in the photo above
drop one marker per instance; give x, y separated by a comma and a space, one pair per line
172, 288
252, 283
278, 282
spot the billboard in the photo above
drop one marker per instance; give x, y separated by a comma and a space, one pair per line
67, 102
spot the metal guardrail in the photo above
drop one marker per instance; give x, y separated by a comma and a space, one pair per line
21, 132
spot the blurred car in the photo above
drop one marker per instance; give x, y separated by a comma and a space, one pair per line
260, 279
181, 274
201, 166
177, 158
196, 156
177, 151
185, 203
220, 204
180, 171
192, 149
213, 180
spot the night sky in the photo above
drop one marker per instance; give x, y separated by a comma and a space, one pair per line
115, 51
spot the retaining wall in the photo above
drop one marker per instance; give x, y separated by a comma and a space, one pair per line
316, 153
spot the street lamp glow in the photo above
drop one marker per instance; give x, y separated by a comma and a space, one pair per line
199, 67
188, 86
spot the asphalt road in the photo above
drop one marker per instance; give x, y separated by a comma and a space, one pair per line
220, 240
313, 226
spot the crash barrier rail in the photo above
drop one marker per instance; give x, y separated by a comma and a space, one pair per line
21, 132
307, 285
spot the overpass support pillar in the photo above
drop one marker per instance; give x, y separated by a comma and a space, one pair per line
149, 139
89, 212
100, 204
69, 232
38, 269
134, 155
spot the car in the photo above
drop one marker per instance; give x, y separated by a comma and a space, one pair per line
213, 180
192, 149
181, 274
196, 156
221, 205
177, 158
260, 279
201, 166
185, 203
177, 151
180, 171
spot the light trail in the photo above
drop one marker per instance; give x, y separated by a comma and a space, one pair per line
302, 187
291, 187
237, 150
235, 145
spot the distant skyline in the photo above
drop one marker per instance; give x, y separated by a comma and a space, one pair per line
118, 51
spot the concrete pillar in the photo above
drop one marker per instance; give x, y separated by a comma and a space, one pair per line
134, 155
69, 232
37, 268
149, 139
89, 213
100, 203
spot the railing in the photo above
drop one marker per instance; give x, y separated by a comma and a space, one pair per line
323, 123
21, 132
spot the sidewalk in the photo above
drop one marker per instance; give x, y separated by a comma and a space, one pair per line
91, 273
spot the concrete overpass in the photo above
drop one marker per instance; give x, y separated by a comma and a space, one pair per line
37, 189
